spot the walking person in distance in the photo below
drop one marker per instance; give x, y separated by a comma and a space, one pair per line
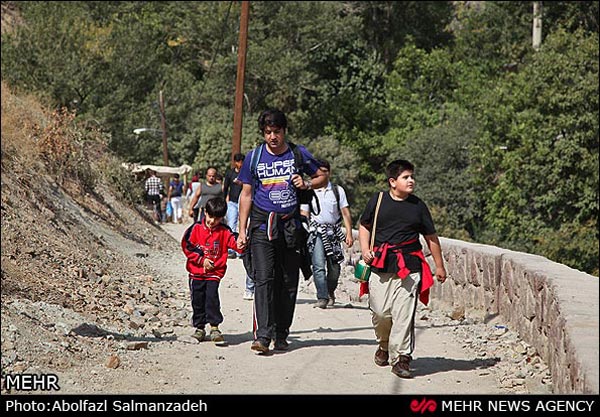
326, 235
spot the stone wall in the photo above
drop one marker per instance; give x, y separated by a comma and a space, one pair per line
553, 307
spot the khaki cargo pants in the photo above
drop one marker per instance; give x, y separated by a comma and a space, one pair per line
393, 304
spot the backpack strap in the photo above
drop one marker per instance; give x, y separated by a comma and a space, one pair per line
299, 164
298, 160
336, 193
253, 164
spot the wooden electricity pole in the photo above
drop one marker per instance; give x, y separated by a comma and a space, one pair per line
163, 127
239, 84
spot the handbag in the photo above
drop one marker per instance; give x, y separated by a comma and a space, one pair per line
362, 271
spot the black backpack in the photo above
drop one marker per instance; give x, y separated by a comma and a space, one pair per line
336, 193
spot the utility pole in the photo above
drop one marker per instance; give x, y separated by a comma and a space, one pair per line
239, 84
537, 25
163, 126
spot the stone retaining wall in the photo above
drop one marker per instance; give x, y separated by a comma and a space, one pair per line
553, 307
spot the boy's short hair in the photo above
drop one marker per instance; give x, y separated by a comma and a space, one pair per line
272, 117
398, 166
216, 207
238, 157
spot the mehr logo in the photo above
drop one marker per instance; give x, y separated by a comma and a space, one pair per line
423, 406
31, 382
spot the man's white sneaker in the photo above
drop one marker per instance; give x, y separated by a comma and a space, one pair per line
248, 295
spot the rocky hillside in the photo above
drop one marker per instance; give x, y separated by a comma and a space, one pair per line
62, 221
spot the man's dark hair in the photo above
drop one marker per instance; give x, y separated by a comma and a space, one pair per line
271, 117
324, 163
238, 157
396, 167
216, 207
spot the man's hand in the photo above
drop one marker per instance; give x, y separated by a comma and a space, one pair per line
349, 239
242, 240
299, 182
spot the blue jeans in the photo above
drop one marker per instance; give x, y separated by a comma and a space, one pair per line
232, 215
249, 284
232, 222
325, 272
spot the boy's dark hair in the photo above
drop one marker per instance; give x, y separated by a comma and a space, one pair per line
238, 157
396, 167
272, 117
216, 207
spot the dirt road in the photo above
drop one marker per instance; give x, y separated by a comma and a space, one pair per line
331, 351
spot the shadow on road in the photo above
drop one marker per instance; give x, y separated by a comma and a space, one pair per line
296, 343
429, 366
338, 304
91, 330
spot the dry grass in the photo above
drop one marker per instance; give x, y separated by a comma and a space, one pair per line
22, 116
35, 140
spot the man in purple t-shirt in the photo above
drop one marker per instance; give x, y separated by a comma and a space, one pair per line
269, 200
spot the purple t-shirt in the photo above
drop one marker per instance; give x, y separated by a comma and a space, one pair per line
274, 190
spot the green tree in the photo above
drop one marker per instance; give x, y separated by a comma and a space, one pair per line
387, 25
442, 157
549, 178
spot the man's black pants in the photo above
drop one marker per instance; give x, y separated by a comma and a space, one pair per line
276, 271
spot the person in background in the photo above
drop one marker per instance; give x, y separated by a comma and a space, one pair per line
400, 275
205, 246
192, 188
326, 235
154, 190
174, 195
232, 188
208, 189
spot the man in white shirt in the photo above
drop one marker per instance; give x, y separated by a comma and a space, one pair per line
326, 235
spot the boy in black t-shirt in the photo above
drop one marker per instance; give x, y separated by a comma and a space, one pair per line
400, 275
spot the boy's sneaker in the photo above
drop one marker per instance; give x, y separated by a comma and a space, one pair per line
199, 334
216, 336
248, 295
402, 367
381, 357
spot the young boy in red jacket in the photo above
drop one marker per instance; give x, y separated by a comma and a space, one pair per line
205, 245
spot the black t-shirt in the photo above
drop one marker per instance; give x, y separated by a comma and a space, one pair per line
230, 187
398, 222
